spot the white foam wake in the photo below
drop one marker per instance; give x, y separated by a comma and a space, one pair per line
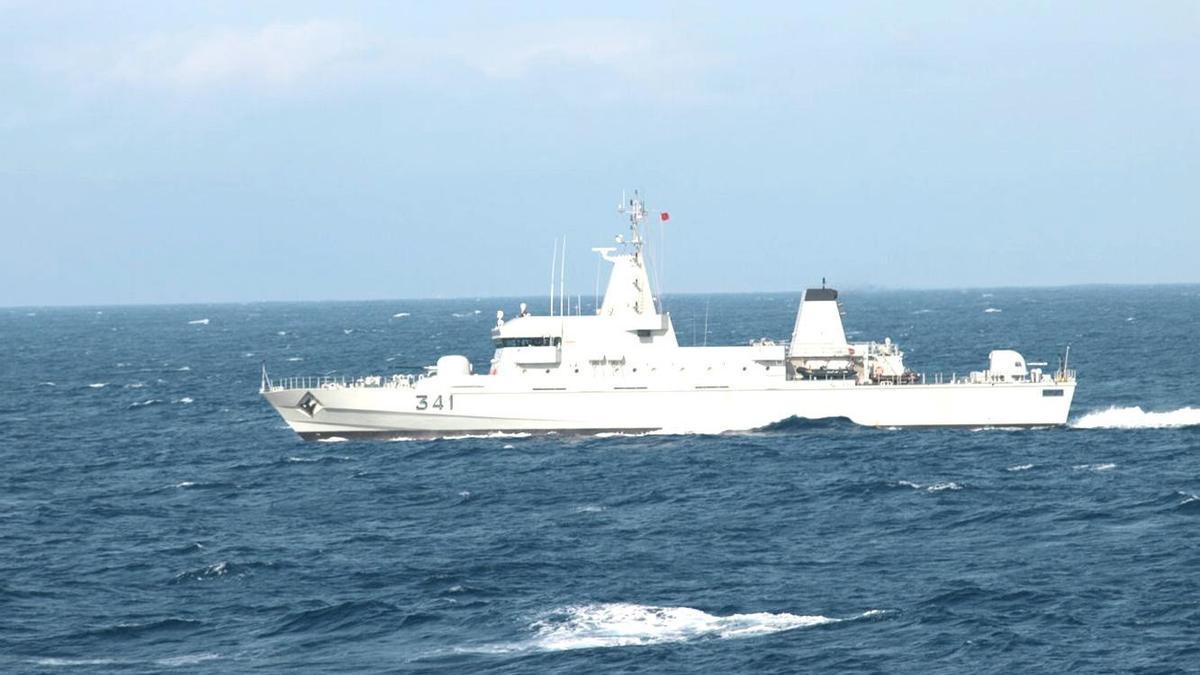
1136, 418
490, 434
625, 624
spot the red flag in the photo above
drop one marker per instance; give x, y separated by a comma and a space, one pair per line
664, 216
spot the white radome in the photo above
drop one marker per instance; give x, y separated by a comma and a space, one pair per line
623, 370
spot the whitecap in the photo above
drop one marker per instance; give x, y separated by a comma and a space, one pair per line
1107, 466
186, 399
992, 310
1136, 418
295, 358
508, 446
347, 331
142, 404
48, 384
187, 659
464, 494
590, 509
73, 662
198, 322
282, 332
1019, 467
627, 624
923, 311
938, 487
183, 369
333, 439
400, 315
98, 385
934, 487
309, 460
185, 484
135, 385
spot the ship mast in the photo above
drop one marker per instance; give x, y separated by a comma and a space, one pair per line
634, 208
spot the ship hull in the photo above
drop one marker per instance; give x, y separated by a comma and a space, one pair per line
397, 412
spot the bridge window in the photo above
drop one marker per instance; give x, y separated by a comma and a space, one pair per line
1052, 392
528, 342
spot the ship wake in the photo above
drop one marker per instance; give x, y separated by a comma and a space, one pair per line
1136, 418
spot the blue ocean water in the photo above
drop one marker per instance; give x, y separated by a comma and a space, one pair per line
156, 515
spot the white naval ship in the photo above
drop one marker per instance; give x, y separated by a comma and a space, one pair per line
623, 370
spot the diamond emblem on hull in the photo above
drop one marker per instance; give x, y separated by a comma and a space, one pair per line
308, 404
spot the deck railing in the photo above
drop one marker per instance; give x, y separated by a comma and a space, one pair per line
338, 382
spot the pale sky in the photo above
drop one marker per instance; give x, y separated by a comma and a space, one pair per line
234, 151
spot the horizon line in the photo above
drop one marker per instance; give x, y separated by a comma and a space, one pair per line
868, 288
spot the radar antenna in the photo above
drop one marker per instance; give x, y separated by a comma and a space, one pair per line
635, 209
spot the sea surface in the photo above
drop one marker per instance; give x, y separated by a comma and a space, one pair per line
157, 516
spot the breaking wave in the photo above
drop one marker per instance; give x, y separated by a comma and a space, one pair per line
1136, 418
217, 570
626, 624
198, 322
71, 663
322, 459
187, 659
933, 487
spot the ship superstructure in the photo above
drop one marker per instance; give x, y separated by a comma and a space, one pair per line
622, 369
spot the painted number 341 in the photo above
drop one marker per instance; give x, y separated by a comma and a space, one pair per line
437, 403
